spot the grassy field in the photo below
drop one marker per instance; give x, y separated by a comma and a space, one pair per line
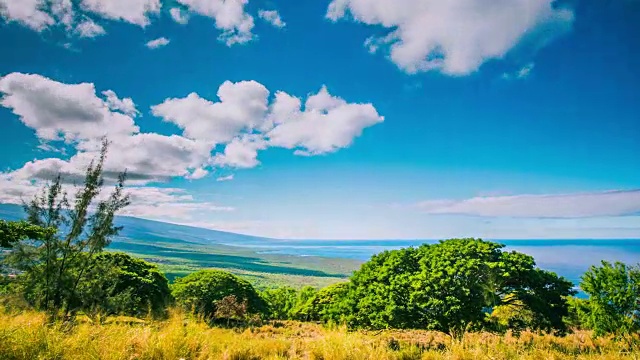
262, 270
26, 336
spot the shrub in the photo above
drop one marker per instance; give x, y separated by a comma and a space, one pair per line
614, 299
201, 291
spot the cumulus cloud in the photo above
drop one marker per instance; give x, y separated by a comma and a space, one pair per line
239, 125
242, 106
244, 120
241, 152
125, 105
272, 17
455, 37
156, 158
30, 13
326, 124
579, 205
58, 111
159, 42
229, 16
132, 11
89, 29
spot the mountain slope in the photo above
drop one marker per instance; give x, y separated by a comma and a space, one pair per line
180, 249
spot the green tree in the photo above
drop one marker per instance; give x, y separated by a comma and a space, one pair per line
120, 284
53, 264
12, 232
578, 313
281, 302
200, 291
614, 299
452, 286
329, 304
302, 310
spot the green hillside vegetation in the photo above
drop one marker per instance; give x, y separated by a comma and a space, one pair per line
65, 297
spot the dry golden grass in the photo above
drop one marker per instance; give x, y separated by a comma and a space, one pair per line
26, 336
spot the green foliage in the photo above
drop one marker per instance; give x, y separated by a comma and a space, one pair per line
52, 261
120, 284
513, 315
578, 315
302, 311
451, 286
330, 304
12, 232
200, 291
281, 302
614, 299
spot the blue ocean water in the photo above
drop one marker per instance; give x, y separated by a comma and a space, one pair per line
569, 258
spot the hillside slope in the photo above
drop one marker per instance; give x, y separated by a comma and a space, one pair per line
180, 249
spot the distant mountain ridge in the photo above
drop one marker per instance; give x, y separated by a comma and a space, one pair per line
136, 228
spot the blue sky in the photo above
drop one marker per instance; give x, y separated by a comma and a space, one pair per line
336, 119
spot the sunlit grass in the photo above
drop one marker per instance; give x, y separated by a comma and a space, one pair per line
27, 336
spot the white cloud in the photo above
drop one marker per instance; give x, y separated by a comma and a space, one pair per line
62, 10
579, 205
58, 111
198, 173
241, 152
125, 105
272, 17
244, 121
89, 29
455, 36
159, 42
179, 16
522, 73
327, 123
146, 202
242, 106
225, 178
30, 13
229, 16
147, 158
132, 11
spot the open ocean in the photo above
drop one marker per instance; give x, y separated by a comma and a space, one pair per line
569, 258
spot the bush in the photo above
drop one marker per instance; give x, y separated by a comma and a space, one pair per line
200, 292
614, 299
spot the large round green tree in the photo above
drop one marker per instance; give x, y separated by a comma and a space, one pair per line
120, 284
201, 291
452, 286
